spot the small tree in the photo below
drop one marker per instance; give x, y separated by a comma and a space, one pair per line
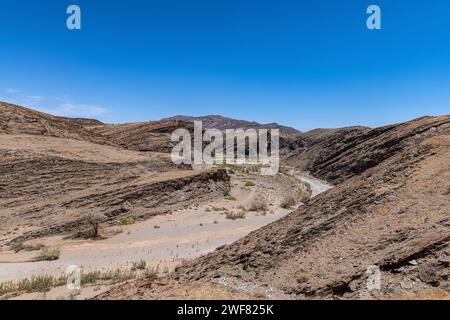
94, 220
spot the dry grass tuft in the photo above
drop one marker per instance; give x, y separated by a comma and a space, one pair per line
235, 215
258, 205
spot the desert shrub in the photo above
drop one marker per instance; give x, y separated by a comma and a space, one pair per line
243, 208
303, 196
156, 226
288, 202
258, 205
235, 215
249, 184
48, 254
230, 198
6, 287
127, 221
94, 220
139, 265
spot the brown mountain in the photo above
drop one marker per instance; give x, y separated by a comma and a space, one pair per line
19, 120
143, 136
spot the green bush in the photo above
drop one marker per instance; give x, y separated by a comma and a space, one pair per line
127, 221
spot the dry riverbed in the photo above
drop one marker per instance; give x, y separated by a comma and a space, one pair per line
163, 242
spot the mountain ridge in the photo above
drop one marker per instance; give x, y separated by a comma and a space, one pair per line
222, 123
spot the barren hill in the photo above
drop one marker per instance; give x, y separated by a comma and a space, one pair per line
145, 136
19, 120
338, 154
390, 209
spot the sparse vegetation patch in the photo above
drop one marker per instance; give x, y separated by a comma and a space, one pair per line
235, 215
48, 254
288, 202
127, 221
139, 265
258, 205
249, 184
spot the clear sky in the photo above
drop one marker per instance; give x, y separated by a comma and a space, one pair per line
305, 64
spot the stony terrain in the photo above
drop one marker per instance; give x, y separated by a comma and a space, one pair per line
390, 209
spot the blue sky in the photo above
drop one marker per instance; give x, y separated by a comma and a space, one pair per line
305, 64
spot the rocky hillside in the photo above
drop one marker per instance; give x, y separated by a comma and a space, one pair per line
19, 120
146, 136
56, 170
390, 209
338, 154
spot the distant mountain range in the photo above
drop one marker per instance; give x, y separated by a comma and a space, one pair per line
222, 123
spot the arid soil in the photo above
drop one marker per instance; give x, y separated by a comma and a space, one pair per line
389, 209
